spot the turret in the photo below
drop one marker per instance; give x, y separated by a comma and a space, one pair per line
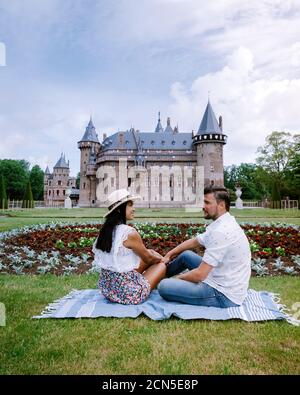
209, 142
158, 128
89, 147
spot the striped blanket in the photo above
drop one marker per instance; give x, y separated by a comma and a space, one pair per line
89, 303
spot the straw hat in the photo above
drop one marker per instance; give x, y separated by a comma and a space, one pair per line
118, 197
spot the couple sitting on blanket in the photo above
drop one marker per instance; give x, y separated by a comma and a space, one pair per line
129, 271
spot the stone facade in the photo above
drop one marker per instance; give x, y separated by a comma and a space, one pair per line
162, 166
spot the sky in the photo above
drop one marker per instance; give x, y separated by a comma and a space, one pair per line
122, 61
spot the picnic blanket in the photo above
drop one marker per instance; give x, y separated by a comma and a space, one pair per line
90, 303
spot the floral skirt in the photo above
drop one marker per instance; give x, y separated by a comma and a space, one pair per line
125, 288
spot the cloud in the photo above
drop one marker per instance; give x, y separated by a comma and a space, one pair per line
2, 54
124, 61
251, 107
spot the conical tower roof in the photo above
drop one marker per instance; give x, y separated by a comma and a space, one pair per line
158, 128
209, 123
47, 171
90, 133
61, 163
168, 128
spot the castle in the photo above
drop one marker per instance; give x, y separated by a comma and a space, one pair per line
102, 165
161, 166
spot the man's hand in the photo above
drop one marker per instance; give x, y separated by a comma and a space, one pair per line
166, 259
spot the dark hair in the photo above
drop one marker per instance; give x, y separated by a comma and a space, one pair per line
116, 217
220, 194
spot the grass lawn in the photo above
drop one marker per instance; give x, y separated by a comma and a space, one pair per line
139, 346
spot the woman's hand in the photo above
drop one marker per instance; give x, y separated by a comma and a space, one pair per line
156, 254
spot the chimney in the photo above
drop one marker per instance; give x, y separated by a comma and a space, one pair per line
104, 136
221, 123
121, 140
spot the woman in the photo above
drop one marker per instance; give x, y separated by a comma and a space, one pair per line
129, 271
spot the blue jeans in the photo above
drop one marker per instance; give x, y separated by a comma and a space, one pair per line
200, 294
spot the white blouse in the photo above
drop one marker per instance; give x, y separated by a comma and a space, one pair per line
119, 259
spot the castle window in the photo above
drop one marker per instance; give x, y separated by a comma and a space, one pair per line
129, 182
49, 193
184, 142
64, 192
59, 182
152, 142
163, 142
49, 183
84, 185
57, 192
173, 142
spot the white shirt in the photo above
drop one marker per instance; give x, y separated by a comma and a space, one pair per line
227, 250
119, 259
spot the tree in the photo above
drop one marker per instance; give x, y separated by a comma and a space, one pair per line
16, 174
3, 196
275, 158
37, 182
249, 177
28, 201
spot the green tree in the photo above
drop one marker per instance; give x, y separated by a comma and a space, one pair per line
248, 176
16, 174
37, 182
3, 196
28, 201
275, 158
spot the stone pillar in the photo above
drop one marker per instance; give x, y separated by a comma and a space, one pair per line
238, 202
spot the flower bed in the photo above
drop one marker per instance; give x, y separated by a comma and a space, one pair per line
63, 249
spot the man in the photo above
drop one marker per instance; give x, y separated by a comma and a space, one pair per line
221, 277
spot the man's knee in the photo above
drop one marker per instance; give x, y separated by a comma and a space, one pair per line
187, 255
163, 286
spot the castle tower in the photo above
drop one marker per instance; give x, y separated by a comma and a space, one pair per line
209, 142
60, 178
89, 147
168, 128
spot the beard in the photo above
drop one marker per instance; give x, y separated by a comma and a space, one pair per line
209, 216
